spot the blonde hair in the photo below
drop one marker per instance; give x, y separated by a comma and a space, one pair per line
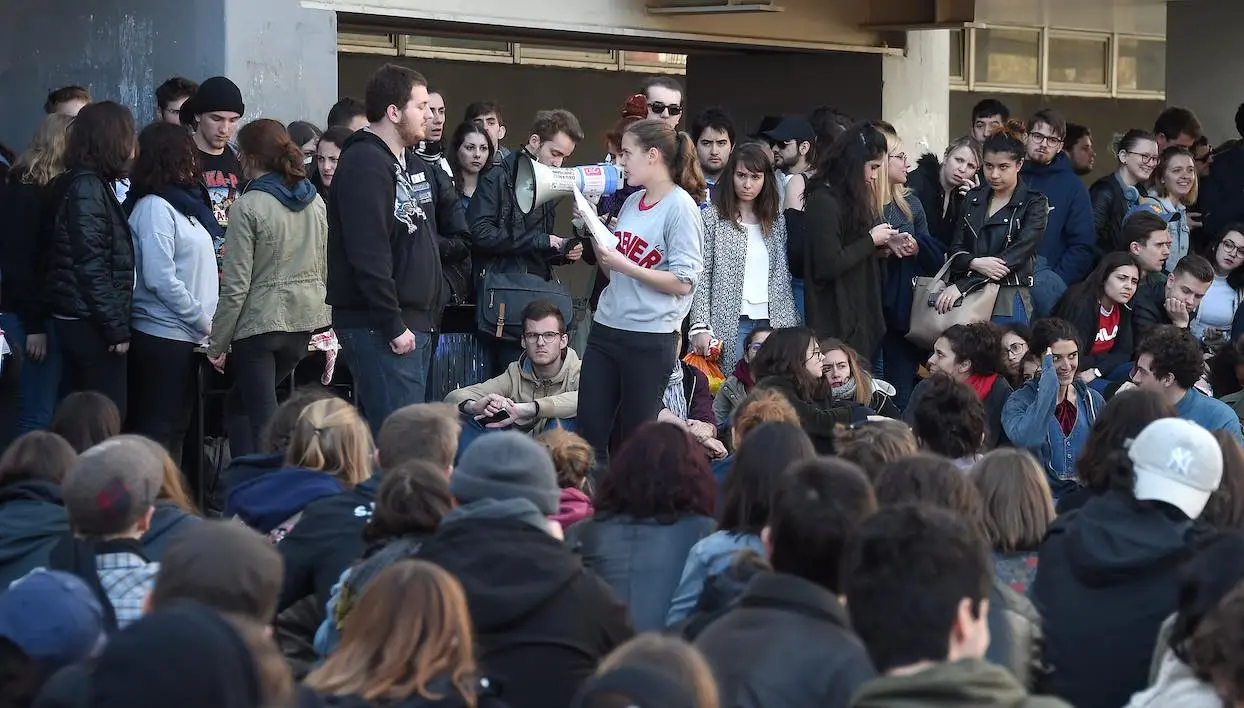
171, 487
572, 456
410, 626
1016, 499
331, 437
672, 655
45, 158
885, 191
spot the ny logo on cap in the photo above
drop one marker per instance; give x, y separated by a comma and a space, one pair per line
1180, 462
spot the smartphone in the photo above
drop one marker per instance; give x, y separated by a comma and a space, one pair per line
495, 418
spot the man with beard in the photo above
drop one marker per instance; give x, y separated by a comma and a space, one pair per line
713, 132
791, 140
384, 270
213, 114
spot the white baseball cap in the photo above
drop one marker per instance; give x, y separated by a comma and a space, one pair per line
1178, 462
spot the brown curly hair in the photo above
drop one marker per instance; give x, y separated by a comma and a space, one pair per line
659, 473
166, 156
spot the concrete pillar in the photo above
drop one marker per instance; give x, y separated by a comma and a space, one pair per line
915, 93
1204, 63
283, 57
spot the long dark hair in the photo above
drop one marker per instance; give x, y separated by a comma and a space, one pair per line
460, 135
1090, 290
166, 156
267, 144
752, 157
1127, 413
765, 455
785, 355
678, 151
101, 140
841, 170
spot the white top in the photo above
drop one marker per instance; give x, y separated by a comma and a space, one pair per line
1217, 310
756, 275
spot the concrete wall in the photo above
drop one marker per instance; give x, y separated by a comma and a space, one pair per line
1105, 117
1204, 62
282, 56
915, 93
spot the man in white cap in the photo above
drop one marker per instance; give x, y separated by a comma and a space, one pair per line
1109, 573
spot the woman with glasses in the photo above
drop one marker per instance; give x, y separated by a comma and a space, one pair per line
741, 381
1174, 186
1015, 338
1114, 194
1212, 323
792, 364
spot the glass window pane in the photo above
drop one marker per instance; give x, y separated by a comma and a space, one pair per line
573, 54
662, 59
1142, 64
1079, 60
956, 54
457, 44
1008, 57
376, 40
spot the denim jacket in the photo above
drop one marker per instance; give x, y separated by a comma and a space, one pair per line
712, 555
1028, 418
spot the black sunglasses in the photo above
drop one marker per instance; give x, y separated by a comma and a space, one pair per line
658, 108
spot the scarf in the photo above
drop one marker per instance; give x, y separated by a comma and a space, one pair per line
982, 385
743, 373
675, 399
77, 556
430, 151
191, 202
845, 392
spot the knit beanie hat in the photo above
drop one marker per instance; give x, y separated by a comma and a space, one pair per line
216, 94
506, 465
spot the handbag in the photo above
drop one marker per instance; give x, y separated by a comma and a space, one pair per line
503, 296
927, 324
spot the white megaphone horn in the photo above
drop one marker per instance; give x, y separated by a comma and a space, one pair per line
535, 183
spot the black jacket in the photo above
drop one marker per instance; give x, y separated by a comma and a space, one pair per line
1222, 194
326, 540
1109, 208
504, 239
1012, 234
1083, 314
1109, 578
926, 182
542, 621
25, 251
842, 276
452, 233
1149, 310
818, 417
440, 686
384, 267
93, 256
788, 643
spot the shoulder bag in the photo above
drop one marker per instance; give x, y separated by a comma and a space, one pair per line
927, 324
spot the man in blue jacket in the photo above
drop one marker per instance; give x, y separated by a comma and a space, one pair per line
1066, 252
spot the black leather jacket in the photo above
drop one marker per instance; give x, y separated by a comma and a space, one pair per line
1109, 208
503, 238
1012, 234
92, 257
453, 236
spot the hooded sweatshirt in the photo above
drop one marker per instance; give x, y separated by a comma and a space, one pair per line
168, 521
1069, 246
177, 285
1109, 577
968, 682
266, 502
384, 266
542, 621
32, 522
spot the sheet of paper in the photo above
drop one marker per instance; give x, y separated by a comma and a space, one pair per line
599, 232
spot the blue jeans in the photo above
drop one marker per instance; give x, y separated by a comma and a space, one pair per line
1019, 313
796, 288
1110, 378
472, 430
746, 325
384, 381
1047, 288
39, 385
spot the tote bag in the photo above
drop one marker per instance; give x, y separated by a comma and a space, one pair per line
927, 324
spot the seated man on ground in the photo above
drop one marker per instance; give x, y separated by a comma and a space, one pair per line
538, 390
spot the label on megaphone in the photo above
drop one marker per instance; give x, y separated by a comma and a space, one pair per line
596, 180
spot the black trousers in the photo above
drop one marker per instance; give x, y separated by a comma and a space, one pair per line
89, 366
10, 389
258, 364
161, 390
621, 384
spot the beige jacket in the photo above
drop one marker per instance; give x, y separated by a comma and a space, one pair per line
274, 272
556, 398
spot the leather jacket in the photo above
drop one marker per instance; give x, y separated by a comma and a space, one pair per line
92, 256
1109, 208
1012, 234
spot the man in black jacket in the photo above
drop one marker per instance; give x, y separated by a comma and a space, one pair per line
542, 621
817, 506
1173, 301
384, 269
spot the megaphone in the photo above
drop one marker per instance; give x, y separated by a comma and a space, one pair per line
536, 183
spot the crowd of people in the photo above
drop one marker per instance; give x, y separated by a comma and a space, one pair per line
760, 479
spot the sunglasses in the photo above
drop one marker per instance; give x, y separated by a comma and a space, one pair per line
658, 108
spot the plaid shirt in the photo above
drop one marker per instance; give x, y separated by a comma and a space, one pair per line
127, 579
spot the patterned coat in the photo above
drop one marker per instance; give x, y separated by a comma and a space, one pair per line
719, 295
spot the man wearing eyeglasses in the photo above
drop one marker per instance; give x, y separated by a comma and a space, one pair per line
1067, 252
539, 390
664, 95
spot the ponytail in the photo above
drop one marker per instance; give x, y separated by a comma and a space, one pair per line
686, 169
267, 144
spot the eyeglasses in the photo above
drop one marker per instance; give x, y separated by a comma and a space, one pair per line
755, 347
545, 337
817, 354
1230, 247
1145, 158
1204, 158
1017, 349
901, 156
1040, 138
658, 108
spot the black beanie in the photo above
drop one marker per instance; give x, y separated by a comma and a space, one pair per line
216, 94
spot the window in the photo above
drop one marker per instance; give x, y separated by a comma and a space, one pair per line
1008, 57
1142, 65
654, 62
1079, 61
367, 42
566, 56
958, 57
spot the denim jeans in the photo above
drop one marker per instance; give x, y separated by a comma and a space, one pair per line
1047, 288
472, 429
797, 288
746, 325
39, 382
1019, 313
384, 381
